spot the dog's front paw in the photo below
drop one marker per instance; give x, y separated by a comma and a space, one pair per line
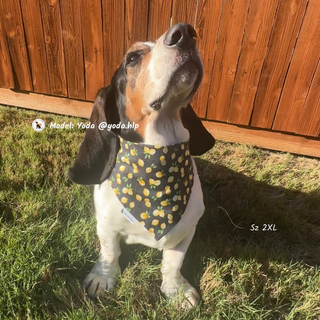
99, 280
180, 291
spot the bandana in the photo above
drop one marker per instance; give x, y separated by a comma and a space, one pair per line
153, 184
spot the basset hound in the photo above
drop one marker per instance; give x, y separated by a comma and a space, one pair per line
146, 186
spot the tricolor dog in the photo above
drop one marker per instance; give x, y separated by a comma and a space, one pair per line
146, 185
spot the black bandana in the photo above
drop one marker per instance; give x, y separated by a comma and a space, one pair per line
153, 184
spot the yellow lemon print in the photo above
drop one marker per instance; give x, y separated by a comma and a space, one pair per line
125, 159
119, 181
146, 192
135, 168
175, 208
185, 183
151, 231
184, 199
165, 150
140, 162
167, 190
133, 152
126, 146
141, 182
110, 181
163, 162
122, 168
159, 194
170, 218
190, 176
157, 146
170, 179
164, 202
155, 222
176, 198
173, 156
173, 169
186, 162
182, 172
180, 159
188, 190
147, 203
149, 151
148, 170
176, 186
125, 190
162, 226
144, 215
116, 191
159, 174
182, 146
129, 175
124, 200
118, 175
138, 197
131, 204
154, 183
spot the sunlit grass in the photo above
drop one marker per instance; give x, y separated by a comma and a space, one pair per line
48, 240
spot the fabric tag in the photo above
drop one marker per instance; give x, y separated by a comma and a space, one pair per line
128, 215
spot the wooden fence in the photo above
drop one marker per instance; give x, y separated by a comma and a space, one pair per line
261, 59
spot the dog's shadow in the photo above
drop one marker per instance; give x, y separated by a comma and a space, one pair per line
247, 219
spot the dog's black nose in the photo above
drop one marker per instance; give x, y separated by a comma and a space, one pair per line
181, 35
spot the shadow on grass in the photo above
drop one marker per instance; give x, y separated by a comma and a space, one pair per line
268, 223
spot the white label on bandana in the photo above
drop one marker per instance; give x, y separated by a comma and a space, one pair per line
128, 215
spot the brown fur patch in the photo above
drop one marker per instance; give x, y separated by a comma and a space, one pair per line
137, 109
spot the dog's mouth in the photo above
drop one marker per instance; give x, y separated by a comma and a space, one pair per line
182, 84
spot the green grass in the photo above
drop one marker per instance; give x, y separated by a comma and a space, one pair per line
48, 240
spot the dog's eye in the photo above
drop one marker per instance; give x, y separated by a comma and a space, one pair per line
132, 58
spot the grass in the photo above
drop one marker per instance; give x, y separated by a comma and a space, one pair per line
48, 240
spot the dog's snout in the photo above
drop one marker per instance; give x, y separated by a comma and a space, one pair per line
181, 35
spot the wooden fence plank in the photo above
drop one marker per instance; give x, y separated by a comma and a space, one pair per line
36, 46
51, 20
6, 75
113, 36
310, 117
257, 33
17, 45
159, 18
45, 103
207, 25
136, 16
184, 11
93, 46
73, 51
301, 71
232, 26
264, 138
287, 25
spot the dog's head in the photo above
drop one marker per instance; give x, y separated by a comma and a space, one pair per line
156, 79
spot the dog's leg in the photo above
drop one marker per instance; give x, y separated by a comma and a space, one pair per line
103, 274
173, 282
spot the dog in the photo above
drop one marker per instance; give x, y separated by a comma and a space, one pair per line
152, 88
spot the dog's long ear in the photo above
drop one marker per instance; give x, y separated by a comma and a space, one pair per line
200, 138
97, 154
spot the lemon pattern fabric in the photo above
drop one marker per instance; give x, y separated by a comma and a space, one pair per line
153, 184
